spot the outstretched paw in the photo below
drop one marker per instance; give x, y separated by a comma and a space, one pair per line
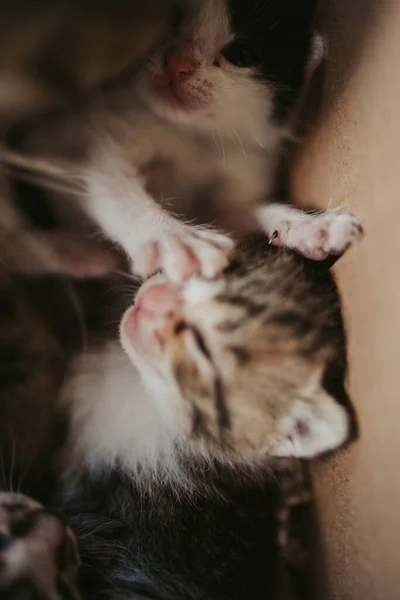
314, 236
185, 252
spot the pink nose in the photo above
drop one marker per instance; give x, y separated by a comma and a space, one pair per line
178, 67
158, 299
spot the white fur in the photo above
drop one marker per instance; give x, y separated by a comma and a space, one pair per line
126, 408
115, 419
225, 137
315, 236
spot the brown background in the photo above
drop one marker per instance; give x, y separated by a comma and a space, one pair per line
352, 158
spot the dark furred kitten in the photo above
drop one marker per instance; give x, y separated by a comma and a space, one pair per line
173, 443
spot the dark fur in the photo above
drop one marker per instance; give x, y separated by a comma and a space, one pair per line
282, 37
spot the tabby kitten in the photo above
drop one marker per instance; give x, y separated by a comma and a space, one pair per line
173, 439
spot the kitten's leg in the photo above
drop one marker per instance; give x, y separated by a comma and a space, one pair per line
153, 238
315, 236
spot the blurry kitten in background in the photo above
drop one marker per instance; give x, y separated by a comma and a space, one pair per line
198, 130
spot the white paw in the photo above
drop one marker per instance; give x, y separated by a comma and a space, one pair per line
318, 236
185, 252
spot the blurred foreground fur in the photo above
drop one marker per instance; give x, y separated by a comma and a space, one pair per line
53, 49
52, 52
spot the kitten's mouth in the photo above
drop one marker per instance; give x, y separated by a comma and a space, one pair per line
174, 95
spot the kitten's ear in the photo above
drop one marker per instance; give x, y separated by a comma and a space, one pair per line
318, 53
313, 427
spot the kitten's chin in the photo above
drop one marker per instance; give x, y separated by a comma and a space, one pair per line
167, 105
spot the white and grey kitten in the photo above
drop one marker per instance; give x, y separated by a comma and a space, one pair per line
205, 117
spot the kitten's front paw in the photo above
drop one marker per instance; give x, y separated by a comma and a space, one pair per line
183, 253
317, 236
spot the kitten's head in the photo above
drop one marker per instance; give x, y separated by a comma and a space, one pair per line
240, 362
233, 65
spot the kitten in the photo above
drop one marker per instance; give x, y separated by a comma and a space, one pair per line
38, 552
231, 370
173, 439
205, 117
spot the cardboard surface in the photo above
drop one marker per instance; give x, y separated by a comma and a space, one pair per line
352, 158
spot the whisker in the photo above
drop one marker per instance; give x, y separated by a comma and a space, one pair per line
222, 150
120, 288
2, 471
45, 166
215, 142
130, 276
240, 143
80, 315
258, 142
42, 180
11, 474
21, 479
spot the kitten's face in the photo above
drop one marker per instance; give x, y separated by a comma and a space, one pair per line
232, 66
233, 362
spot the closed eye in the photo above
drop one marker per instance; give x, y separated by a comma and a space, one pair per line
182, 326
200, 343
